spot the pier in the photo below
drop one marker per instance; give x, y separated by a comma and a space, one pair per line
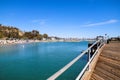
99, 43
108, 64
103, 63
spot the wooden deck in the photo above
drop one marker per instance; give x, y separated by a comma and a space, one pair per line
108, 64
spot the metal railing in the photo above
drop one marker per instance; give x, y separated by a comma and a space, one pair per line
99, 43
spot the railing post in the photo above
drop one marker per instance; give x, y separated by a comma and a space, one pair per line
102, 42
98, 44
89, 56
89, 52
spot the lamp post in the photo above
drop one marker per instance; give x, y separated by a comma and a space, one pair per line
105, 38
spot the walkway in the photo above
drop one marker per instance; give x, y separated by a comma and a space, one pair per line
108, 65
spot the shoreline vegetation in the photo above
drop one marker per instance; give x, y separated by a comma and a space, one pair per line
13, 35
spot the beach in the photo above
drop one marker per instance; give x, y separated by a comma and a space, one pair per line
10, 42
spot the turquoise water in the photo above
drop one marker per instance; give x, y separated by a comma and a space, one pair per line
38, 61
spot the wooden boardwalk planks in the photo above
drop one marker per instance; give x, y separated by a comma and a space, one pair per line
108, 65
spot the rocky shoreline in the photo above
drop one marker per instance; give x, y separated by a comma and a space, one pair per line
10, 42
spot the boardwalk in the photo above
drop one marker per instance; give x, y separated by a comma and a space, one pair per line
108, 65
103, 65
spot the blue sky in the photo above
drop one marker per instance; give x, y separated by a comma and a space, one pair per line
63, 18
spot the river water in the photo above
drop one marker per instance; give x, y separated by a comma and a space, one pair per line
38, 61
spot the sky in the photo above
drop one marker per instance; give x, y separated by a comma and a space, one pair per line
63, 18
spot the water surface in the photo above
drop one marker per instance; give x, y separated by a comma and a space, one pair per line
38, 61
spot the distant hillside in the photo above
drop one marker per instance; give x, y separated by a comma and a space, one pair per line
10, 32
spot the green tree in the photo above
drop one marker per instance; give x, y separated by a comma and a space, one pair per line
45, 36
1, 35
39, 37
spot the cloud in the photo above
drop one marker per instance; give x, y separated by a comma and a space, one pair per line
100, 23
39, 21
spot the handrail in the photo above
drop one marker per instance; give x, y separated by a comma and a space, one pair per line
58, 73
86, 66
